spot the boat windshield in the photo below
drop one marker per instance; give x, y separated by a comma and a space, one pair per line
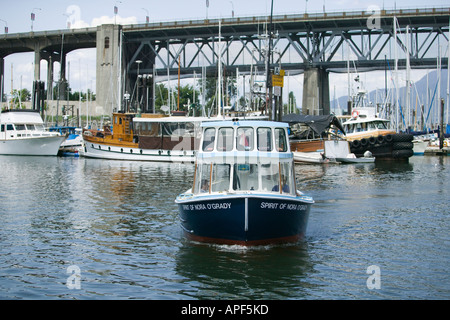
270, 177
365, 126
380, 125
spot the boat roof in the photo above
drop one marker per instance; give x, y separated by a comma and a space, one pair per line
245, 122
364, 120
21, 116
317, 123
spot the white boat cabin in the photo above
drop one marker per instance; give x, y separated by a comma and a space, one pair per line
365, 121
243, 157
20, 124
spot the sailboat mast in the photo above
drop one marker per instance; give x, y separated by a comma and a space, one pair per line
448, 71
179, 66
397, 102
408, 76
119, 73
219, 94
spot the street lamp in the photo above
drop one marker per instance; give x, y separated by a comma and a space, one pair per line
6, 26
147, 19
33, 17
232, 9
137, 86
68, 20
116, 11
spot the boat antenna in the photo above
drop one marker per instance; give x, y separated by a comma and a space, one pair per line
219, 100
268, 82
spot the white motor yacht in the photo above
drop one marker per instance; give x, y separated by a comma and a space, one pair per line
22, 132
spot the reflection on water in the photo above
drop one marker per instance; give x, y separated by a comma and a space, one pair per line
117, 221
234, 272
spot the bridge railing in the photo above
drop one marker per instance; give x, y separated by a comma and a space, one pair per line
316, 16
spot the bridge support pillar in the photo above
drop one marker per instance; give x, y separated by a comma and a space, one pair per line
108, 65
37, 64
2, 78
50, 79
316, 92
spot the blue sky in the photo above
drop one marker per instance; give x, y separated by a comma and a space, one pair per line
55, 14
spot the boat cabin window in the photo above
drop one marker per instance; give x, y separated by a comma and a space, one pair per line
20, 127
10, 127
286, 183
202, 177
30, 127
244, 139
245, 176
225, 139
212, 178
2, 128
380, 124
269, 176
151, 129
264, 136
220, 178
280, 140
360, 127
209, 137
276, 177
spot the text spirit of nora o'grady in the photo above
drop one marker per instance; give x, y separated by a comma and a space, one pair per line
236, 309
208, 206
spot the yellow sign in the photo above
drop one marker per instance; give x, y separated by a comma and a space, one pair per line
277, 81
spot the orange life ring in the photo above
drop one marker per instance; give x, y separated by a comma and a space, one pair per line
355, 114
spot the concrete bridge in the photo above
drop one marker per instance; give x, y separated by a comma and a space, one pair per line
315, 44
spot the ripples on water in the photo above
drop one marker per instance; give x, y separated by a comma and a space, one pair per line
118, 223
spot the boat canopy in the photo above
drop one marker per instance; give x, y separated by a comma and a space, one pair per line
318, 124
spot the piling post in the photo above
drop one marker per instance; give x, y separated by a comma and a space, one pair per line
441, 126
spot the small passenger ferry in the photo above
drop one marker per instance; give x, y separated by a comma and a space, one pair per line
22, 132
244, 190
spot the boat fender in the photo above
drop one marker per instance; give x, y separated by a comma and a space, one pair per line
367, 154
404, 153
364, 142
372, 140
356, 144
402, 137
388, 138
402, 145
380, 139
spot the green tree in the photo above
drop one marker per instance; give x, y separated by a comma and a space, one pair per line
186, 96
20, 96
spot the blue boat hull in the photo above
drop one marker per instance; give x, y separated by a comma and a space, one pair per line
245, 220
